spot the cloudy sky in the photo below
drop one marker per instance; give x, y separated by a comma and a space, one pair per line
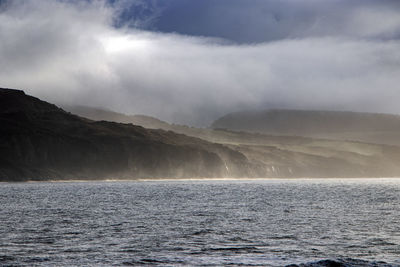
191, 61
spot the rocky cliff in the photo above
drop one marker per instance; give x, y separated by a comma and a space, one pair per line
39, 141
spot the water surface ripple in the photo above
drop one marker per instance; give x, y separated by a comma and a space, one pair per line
209, 223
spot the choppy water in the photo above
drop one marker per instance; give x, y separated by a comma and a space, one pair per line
269, 222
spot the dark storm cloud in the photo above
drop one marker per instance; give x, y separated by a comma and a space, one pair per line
254, 21
71, 52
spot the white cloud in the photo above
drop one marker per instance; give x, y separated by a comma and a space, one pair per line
68, 52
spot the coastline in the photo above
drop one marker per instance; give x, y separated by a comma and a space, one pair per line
208, 179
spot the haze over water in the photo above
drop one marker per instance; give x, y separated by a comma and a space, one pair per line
266, 222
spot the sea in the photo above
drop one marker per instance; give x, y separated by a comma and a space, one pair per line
275, 222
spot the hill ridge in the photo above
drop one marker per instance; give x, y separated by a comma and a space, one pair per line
339, 125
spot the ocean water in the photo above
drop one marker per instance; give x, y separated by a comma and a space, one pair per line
201, 223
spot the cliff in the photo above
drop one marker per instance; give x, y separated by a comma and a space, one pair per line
39, 141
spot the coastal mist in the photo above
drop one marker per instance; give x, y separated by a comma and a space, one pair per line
211, 223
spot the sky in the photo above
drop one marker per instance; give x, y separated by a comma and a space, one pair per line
191, 61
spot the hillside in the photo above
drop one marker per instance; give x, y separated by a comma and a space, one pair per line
291, 156
98, 114
39, 141
365, 127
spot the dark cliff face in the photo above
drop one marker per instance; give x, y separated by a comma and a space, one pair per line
39, 141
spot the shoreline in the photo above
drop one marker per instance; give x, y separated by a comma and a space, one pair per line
204, 179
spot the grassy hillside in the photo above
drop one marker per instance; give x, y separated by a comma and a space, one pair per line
366, 127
